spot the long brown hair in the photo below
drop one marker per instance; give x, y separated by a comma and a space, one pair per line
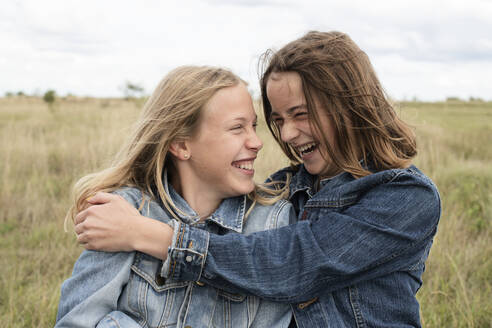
336, 74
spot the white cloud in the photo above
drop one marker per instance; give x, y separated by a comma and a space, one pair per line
428, 49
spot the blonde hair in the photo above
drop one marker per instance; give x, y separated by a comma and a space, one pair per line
171, 113
336, 74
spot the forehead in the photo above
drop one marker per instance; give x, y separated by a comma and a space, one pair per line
229, 103
284, 91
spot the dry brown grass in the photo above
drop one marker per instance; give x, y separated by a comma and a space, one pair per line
44, 151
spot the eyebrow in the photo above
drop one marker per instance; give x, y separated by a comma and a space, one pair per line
290, 110
242, 119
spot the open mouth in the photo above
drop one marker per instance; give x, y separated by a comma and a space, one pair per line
246, 166
307, 148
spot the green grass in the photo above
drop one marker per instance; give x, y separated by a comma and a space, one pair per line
44, 151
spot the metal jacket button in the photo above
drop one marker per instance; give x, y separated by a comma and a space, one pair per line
160, 281
189, 258
306, 304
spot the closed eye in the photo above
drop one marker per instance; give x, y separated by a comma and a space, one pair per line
278, 121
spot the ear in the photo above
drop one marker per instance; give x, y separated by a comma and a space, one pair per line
180, 150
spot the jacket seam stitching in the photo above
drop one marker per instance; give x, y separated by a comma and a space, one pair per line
171, 271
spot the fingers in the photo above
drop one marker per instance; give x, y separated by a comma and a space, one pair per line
102, 198
79, 228
88, 246
82, 238
85, 237
81, 216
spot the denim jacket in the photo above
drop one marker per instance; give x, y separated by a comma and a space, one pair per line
125, 289
355, 257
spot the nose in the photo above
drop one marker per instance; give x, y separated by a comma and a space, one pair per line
254, 142
288, 131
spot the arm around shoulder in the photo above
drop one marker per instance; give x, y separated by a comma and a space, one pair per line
388, 227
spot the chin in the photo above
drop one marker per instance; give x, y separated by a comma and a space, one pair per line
245, 188
248, 190
312, 170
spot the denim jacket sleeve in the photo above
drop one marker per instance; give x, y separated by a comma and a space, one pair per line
388, 228
93, 290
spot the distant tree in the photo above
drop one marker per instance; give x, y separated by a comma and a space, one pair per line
50, 97
8, 94
475, 99
20, 93
453, 99
132, 90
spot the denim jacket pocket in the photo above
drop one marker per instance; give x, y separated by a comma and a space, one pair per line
234, 310
151, 298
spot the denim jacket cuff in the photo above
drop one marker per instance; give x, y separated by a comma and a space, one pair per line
167, 263
187, 253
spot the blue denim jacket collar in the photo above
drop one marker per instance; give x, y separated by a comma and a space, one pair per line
302, 181
305, 181
229, 214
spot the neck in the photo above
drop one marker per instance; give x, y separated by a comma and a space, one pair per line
200, 199
330, 172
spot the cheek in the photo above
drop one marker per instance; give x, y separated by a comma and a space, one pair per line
222, 153
306, 128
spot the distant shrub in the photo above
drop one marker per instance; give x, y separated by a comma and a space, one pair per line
50, 97
132, 90
473, 99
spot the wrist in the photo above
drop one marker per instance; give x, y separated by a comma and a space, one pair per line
152, 237
136, 239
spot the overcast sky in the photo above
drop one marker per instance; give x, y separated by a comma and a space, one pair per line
424, 49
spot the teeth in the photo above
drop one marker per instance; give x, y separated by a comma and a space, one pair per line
245, 165
306, 147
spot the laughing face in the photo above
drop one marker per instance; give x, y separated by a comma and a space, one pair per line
290, 114
225, 145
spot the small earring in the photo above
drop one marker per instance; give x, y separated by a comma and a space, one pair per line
186, 156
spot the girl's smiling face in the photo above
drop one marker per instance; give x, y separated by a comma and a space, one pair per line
223, 148
290, 114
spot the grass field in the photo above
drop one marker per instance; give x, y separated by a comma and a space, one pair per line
44, 150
